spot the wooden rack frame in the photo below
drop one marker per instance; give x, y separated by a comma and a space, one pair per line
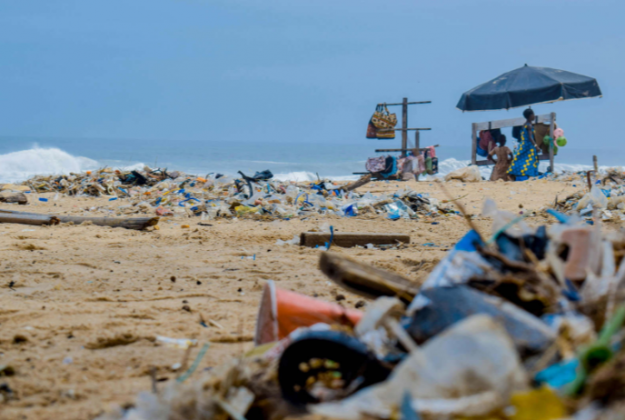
512, 122
404, 125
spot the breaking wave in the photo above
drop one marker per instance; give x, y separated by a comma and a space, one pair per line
24, 164
18, 166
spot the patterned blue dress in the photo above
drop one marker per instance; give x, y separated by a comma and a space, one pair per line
525, 160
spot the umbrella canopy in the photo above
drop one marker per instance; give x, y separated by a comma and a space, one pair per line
528, 86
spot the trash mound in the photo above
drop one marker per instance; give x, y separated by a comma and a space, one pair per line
162, 193
524, 323
605, 196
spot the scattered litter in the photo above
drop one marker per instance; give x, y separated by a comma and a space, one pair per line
180, 343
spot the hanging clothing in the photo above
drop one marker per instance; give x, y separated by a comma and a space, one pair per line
376, 164
431, 151
525, 161
411, 165
391, 167
504, 157
420, 164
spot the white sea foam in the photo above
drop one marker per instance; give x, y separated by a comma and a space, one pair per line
18, 166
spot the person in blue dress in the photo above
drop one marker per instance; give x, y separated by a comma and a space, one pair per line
525, 159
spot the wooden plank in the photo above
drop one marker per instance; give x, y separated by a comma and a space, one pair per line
406, 129
473, 143
410, 103
552, 127
404, 126
348, 240
511, 122
417, 140
401, 150
365, 280
488, 162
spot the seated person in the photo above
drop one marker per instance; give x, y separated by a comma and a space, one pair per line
485, 143
502, 163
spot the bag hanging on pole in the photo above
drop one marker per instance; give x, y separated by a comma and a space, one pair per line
384, 122
372, 132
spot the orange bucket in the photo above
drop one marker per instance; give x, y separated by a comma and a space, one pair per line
282, 312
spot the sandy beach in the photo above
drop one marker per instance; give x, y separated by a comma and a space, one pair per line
79, 323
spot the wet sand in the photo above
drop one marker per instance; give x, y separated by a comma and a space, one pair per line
79, 323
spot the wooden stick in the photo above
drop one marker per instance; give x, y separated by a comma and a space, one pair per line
348, 240
595, 164
365, 280
362, 181
137, 223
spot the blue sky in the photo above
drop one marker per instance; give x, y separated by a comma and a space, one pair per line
289, 70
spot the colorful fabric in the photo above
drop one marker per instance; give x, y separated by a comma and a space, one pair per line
524, 162
421, 164
431, 151
481, 152
486, 138
391, 167
376, 164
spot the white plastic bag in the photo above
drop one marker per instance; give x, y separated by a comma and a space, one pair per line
467, 174
594, 197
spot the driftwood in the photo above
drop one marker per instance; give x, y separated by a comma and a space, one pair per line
28, 218
365, 280
137, 223
12, 197
348, 240
365, 179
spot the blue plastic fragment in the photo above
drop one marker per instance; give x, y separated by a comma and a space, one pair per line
158, 200
560, 217
407, 412
331, 237
558, 375
43, 199
349, 211
570, 291
113, 199
607, 193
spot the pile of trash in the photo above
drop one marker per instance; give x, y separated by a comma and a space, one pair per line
606, 195
161, 193
523, 323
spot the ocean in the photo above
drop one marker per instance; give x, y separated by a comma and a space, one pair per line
21, 158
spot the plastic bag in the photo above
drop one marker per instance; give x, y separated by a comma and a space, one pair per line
467, 174
488, 366
594, 197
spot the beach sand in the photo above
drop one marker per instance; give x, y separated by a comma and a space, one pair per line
79, 325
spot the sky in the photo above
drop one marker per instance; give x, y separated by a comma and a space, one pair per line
294, 71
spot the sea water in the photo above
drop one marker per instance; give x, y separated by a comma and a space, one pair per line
21, 158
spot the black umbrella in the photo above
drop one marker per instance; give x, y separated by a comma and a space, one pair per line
528, 86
